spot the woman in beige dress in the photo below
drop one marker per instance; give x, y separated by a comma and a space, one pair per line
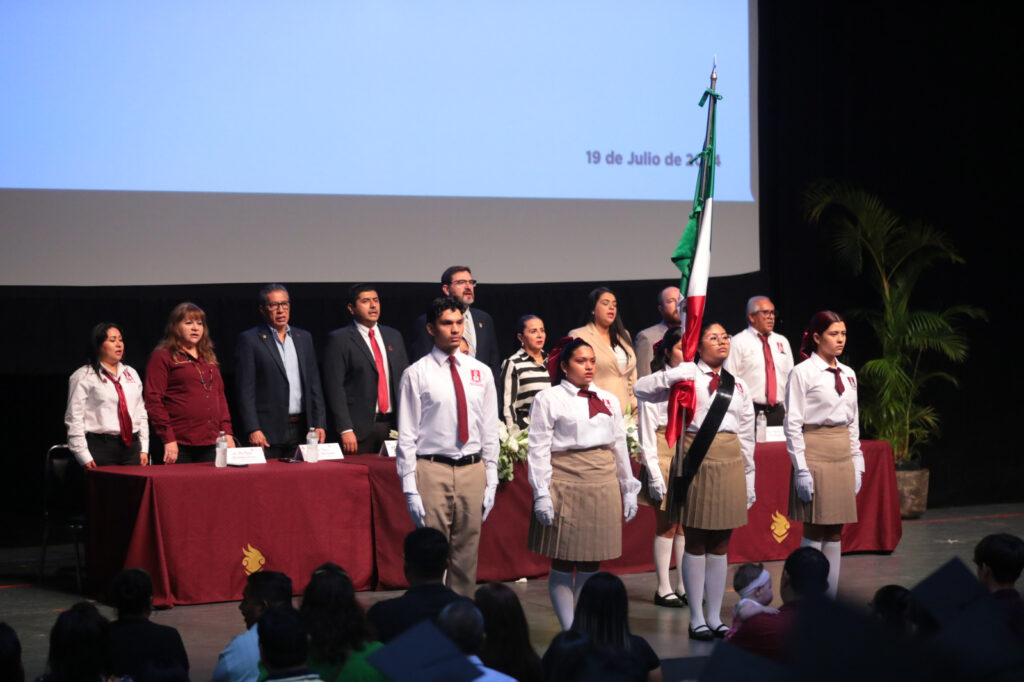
613, 347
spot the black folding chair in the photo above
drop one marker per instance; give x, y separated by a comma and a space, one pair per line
63, 503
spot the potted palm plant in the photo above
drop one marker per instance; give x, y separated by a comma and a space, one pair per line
872, 242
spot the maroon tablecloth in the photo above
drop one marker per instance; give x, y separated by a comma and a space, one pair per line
768, 534
198, 530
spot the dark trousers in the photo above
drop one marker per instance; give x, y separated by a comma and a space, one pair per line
378, 434
187, 454
108, 450
774, 414
294, 436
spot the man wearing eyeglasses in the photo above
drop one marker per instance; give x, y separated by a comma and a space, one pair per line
457, 282
279, 393
762, 359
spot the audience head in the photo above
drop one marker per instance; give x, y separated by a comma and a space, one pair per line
668, 351
263, 590
426, 556
894, 606
445, 319
457, 281
107, 345
364, 304
752, 581
602, 611
714, 345
572, 359
282, 638
1000, 560
603, 311
275, 305
187, 328
761, 314
463, 624
804, 575
10, 655
330, 612
79, 645
818, 325
131, 593
506, 634
668, 305
531, 333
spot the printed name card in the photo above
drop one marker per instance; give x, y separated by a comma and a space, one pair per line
774, 434
250, 455
389, 448
320, 452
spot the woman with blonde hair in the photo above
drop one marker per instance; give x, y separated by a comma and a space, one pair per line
184, 389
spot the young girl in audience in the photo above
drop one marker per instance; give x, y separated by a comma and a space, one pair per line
754, 586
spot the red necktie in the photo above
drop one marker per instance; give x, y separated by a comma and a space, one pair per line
123, 418
713, 385
382, 377
595, 404
460, 401
769, 371
839, 381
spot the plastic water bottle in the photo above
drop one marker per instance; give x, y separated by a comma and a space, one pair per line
312, 446
222, 450
761, 429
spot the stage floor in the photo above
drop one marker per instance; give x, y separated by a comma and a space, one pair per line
927, 543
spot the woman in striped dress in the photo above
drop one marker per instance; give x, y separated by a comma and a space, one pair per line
524, 374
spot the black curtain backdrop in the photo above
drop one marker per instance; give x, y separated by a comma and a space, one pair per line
908, 102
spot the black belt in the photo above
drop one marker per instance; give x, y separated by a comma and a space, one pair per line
384, 417
453, 461
295, 418
110, 436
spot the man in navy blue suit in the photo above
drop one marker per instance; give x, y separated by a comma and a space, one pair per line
363, 363
279, 393
457, 282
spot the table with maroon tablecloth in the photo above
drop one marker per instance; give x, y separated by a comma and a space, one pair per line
768, 535
199, 530
194, 527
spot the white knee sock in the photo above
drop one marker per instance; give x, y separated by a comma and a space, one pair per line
816, 544
717, 565
680, 547
693, 578
560, 591
833, 552
581, 578
662, 557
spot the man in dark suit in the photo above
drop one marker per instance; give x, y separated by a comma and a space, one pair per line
426, 557
279, 393
363, 364
457, 282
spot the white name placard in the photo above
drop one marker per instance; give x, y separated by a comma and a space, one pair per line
389, 448
774, 434
250, 455
323, 451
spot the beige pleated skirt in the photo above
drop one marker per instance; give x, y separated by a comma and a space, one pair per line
588, 508
717, 497
827, 449
664, 463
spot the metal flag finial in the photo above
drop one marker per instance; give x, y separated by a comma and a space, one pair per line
714, 72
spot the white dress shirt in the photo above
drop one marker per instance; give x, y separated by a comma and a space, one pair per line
92, 408
560, 420
811, 398
290, 358
746, 361
738, 419
365, 333
652, 393
428, 421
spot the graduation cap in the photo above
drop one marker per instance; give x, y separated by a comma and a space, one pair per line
423, 654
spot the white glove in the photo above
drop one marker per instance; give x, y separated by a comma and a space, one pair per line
415, 505
804, 485
488, 500
751, 495
544, 510
656, 486
857, 475
684, 371
628, 506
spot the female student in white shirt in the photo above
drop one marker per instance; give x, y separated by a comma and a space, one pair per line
721, 490
106, 416
579, 468
823, 439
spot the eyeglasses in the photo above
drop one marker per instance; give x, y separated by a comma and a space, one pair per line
280, 305
463, 282
715, 338
766, 313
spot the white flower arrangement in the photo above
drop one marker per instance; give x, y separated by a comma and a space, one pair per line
513, 449
629, 422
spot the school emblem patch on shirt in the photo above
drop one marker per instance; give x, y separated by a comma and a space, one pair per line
782, 350
474, 376
128, 377
852, 382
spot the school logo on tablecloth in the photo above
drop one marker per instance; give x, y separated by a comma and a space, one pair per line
252, 560
779, 527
